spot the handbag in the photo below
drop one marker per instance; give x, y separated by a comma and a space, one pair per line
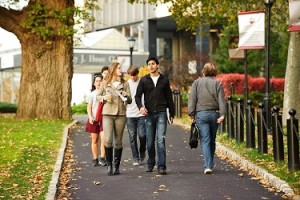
99, 112
194, 136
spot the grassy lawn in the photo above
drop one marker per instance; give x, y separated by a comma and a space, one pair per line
265, 161
28, 151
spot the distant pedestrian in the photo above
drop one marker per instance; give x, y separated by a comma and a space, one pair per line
93, 125
135, 120
158, 97
115, 93
104, 71
206, 105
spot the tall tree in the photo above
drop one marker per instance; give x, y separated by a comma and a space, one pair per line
190, 14
45, 30
292, 80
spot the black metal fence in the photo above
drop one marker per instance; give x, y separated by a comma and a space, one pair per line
178, 103
239, 118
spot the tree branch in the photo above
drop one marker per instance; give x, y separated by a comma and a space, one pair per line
10, 20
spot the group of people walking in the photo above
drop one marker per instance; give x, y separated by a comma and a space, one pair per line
142, 104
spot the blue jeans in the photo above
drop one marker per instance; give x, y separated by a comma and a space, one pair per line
136, 127
156, 128
207, 123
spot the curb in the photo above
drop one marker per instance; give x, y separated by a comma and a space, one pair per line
52, 189
274, 181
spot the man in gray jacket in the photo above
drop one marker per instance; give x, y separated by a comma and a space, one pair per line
207, 106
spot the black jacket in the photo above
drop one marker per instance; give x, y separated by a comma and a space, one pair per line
157, 99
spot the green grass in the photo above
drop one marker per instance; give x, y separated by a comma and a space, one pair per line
265, 161
79, 109
28, 151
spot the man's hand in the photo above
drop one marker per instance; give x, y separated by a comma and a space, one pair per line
220, 119
171, 120
143, 111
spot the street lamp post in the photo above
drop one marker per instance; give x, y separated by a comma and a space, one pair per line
131, 42
267, 99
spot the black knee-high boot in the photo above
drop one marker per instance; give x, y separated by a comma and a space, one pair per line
118, 155
109, 158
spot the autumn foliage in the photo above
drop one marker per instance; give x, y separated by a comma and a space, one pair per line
254, 83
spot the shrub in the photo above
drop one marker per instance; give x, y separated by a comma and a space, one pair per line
184, 97
236, 79
79, 109
8, 107
254, 83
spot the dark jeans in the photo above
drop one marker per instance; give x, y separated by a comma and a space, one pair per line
156, 128
136, 126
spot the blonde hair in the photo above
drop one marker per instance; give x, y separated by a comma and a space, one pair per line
209, 69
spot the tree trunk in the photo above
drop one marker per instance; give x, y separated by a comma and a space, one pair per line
292, 78
47, 67
45, 88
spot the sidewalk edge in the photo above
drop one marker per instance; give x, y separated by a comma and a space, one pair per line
276, 182
52, 189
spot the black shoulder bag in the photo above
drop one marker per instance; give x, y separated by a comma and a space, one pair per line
194, 136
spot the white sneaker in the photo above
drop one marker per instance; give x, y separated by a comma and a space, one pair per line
136, 163
207, 171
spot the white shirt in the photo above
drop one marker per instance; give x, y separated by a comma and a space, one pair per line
92, 100
132, 109
155, 79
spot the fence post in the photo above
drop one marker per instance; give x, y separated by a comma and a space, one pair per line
177, 102
239, 121
278, 150
293, 141
230, 118
262, 139
250, 126
231, 89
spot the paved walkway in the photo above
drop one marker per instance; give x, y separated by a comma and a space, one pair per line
185, 178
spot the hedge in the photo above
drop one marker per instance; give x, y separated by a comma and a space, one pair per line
255, 84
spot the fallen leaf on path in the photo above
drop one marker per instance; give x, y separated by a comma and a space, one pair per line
97, 182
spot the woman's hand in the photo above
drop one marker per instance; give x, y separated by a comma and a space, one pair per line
124, 94
91, 120
107, 98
